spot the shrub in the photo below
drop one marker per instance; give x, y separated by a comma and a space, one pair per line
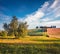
3, 33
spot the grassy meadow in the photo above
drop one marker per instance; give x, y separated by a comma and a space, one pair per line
30, 45
43, 48
35, 43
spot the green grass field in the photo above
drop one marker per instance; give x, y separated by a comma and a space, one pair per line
33, 44
44, 48
30, 45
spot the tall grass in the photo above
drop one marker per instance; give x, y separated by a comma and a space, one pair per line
51, 48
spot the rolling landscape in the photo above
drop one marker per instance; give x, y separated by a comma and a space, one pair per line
26, 30
28, 41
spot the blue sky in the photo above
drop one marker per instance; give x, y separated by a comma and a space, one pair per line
20, 8
35, 12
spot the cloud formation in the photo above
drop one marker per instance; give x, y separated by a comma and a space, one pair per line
45, 15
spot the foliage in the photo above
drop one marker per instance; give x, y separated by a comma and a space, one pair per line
16, 29
13, 26
22, 29
6, 27
3, 33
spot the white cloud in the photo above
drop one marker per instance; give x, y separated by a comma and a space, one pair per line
43, 16
34, 18
4, 19
54, 8
44, 7
57, 12
54, 4
1, 26
49, 23
48, 13
58, 15
38, 14
46, 19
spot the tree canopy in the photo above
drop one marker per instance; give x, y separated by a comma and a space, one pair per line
16, 29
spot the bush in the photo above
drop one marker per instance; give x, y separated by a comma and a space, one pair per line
10, 33
3, 33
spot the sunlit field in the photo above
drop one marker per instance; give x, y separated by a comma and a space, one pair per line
29, 45
34, 43
30, 39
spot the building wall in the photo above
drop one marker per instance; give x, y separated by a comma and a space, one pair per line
53, 32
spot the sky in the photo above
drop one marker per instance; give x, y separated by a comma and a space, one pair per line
34, 12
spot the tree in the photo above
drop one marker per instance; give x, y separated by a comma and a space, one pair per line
13, 26
5, 26
36, 27
22, 29
14, 23
15, 29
